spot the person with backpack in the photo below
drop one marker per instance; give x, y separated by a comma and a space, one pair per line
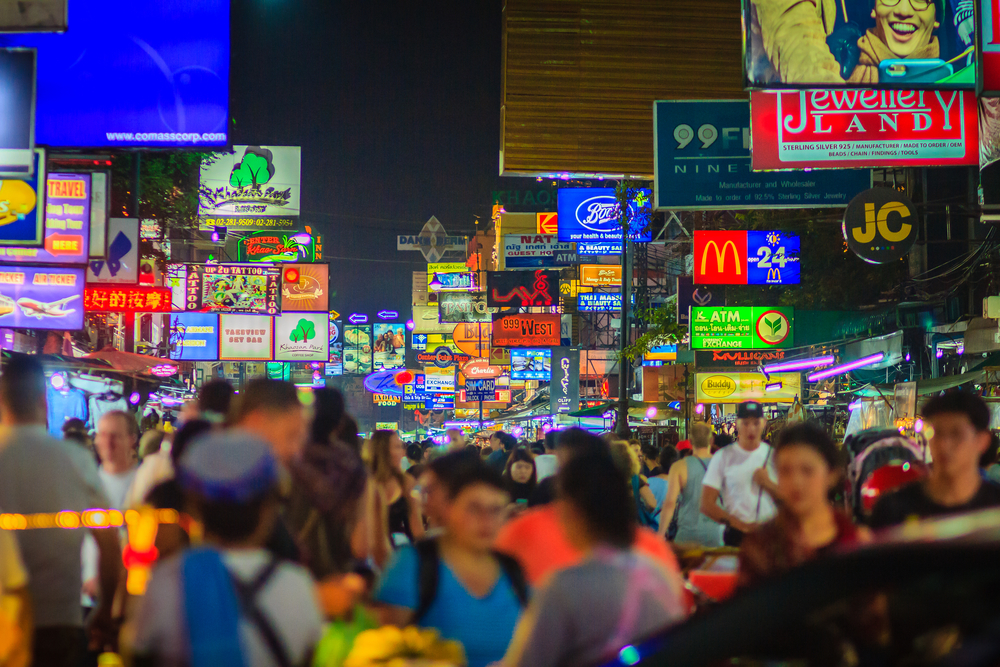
684, 495
455, 582
229, 602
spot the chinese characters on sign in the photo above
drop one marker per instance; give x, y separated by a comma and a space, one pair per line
127, 299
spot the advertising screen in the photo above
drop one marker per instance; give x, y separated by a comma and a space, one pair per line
826, 129
357, 349
305, 287
529, 251
528, 330
591, 214
251, 188
302, 337
928, 44
531, 365
121, 263
23, 220
227, 288
194, 337
741, 327
746, 258
173, 63
389, 347
246, 337
41, 297
336, 364
277, 247
702, 160
17, 123
517, 289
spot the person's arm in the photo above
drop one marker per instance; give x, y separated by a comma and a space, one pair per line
370, 537
710, 508
101, 625
647, 496
794, 34
397, 595
416, 513
676, 481
762, 478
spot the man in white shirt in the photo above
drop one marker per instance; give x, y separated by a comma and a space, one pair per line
115, 442
743, 476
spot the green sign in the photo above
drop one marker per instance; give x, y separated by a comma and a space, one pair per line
741, 328
277, 247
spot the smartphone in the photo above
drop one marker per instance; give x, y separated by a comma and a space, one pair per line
926, 70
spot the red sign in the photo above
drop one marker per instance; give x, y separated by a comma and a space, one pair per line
126, 299
990, 56
827, 129
527, 330
720, 258
481, 369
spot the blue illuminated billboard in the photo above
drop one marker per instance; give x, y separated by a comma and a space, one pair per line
598, 302
531, 364
194, 337
133, 74
591, 215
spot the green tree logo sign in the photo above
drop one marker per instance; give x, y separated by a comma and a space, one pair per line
255, 169
304, 332
773, 327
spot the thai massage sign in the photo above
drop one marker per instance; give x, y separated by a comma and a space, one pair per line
741, 328
863, 128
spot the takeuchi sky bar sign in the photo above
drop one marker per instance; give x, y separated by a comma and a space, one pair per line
820, 129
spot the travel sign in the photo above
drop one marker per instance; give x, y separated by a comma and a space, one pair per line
741, 328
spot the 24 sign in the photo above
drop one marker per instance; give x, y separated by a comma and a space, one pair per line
746, 258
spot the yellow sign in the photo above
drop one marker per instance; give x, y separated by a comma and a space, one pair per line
600, 275
739, 387
445, 267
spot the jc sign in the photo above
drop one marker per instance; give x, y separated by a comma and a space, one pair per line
880, 225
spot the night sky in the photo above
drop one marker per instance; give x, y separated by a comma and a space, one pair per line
397, 108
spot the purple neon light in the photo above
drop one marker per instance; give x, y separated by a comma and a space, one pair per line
774, 386
849, 366
799, 364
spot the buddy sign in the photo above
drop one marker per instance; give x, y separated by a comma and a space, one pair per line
824, 129
741, 328
739, 387
880, 225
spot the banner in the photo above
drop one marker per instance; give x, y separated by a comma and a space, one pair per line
121, 263
739, 387
825, 129
246, 338
741, 327
251, 188
702, 162
737, 360
526, 330
226, 288
275, 246
601, 275
389, 347
302, 337
357, 349
194, 337
41, 298
564, 392
305, 287
529, 251
336, 364
456, 307
591, 214
521, 289
758, 258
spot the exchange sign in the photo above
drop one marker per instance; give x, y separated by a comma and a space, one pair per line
526, 330
758, 258
592, 214
741, 327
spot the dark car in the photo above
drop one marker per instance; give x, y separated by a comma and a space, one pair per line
923, 594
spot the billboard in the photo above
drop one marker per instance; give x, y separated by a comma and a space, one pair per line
547, 223
336, 363
246, 337
737, 360
229, 288
741, 327
526, 330
302, 337
880, 225
172, 61
529, 251
275, 246
739, 387
758, 258
357, 349
305, 287
601, 275
126, 299
21, 215
473, 339
41, 297
456, 307
121, 262
920, 44
564, 392
519, 289
591, 214
702, 162
17, 123
251, 188
194, 337
531, 365
389, 346
425, 321
824, 129
989, 74
598, 302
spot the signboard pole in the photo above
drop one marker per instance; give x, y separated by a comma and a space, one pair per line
480, 397
136, 198
624, 329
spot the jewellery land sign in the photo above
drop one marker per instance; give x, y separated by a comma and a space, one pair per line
246, 338
278, 246
526, 330
825, 129
529, 251
758, 258
41, 297
879, 225
458, 307
302, 337
592, 214
251, 188
742, 328
739, 387
702, 161
737, 360
508, 289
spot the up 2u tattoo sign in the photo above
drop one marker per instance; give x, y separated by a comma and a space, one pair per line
827, 129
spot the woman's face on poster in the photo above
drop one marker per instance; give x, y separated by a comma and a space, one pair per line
907, 26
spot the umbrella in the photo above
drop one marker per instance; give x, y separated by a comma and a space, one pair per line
129, 361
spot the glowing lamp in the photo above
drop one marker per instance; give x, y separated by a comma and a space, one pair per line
849, 366
699, 409
939, 354
410, 325
292, 275
651, 412
134, 398
58, 381
774, 386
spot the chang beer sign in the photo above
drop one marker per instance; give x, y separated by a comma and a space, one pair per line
741, 328
277, 247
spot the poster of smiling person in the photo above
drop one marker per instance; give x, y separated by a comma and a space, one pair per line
878, 43
389, 346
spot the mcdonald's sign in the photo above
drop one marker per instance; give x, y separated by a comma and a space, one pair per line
746, 258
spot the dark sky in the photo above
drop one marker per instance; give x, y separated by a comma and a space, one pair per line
397, 108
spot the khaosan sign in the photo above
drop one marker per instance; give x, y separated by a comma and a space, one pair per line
246, 337
746, 258
592, 214
702, 160
739, 387
302, 337
741, 328
41, 297
276, 246
825, 129
252, 188
918, 45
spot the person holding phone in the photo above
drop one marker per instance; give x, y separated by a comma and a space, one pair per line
904, 30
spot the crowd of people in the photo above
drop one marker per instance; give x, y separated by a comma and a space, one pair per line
556, 552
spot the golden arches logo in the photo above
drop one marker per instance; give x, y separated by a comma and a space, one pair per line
720, 256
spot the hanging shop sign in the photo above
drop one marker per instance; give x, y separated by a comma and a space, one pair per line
598, 302
825, 129
126, 299
880, 225
120, 265
389, 346
443, 357
451, 282
433, 241
529, 251
481, 368
737, 360
305, 287
989, 75
357, 349
564, 392
702, 161
437, 380
336, 363
531, 365
41, 297
456, 307
473, 339
741, 327
246, 337
386, 401
739, 387
526, 330
251, 188
592, 215
746, 258
390, 382
22, 206
547, 223
302, 337
277, 247
228, 288
601, 275
480, 390
521, 289
690, 295
425, 321
194, 337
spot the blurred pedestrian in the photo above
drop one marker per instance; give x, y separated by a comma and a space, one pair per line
520, 476
434, 481
684, 495
215, 399
628, 464
414, 456
75, 431
456, 439
15, 605
650, 454
116, 441
395, 489
271, 410
659, 482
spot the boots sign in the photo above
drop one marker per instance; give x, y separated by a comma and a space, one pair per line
825, 129
880, 225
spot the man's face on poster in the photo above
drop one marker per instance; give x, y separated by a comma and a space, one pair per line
907, 26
